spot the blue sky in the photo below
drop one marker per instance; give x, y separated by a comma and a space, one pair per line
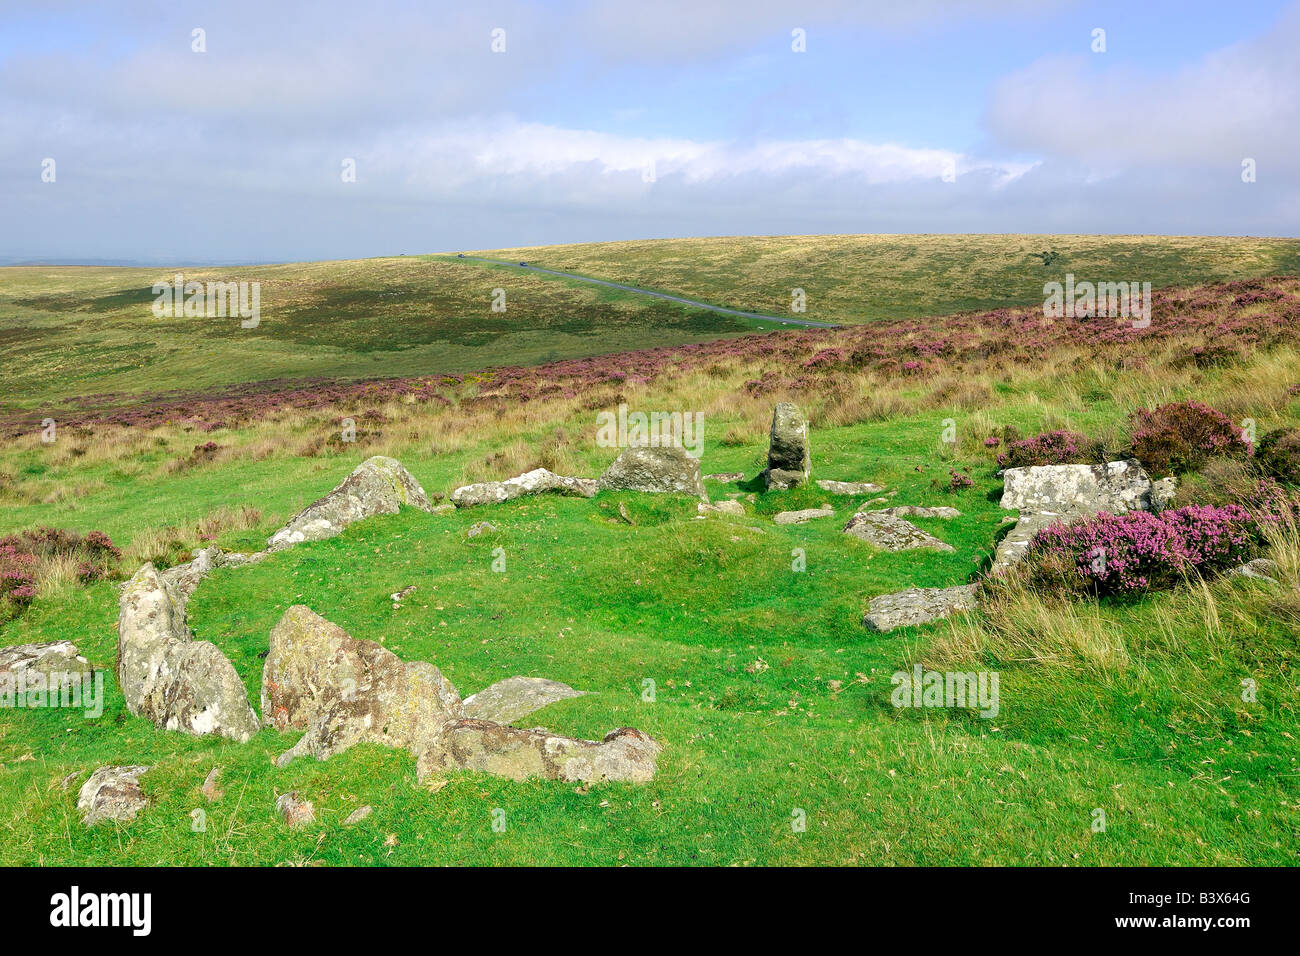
614, 120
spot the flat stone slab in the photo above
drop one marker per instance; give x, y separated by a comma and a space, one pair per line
919, 511
1011, 549
52, 659
514, 698
721, 508
536, 482
917, 606
848, 487
726, 476
799, 517
1261, 569
891, 533
1116, 487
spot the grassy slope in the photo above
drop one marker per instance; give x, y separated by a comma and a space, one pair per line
857, 278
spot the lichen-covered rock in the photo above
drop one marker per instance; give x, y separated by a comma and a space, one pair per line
848, 487
734, 508
920, 511
168, 677
378, 486
514, 698
917, 606
1011, 549
667, 469
891, 533
57, 661
1116, 487
535, 482
623, 755
112, 793
726, 477
789, 462
482, 527
346, 691
799, 517
293, 811
1261, 569
1164, 493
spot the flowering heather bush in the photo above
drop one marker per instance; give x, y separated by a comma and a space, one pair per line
1052, 448
1183, 436
1140, 551
95, 554
17, 582
1279, 455
957, 481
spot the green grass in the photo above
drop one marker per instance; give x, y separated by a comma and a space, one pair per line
1185, 772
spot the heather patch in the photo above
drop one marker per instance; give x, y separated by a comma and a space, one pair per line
1182, 436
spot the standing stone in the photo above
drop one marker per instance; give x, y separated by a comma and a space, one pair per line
111, 793
667, 469
378, 486
789, 464
168, 677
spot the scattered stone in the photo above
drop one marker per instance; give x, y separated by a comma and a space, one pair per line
535, 482
623, 755
516, 697
357, 815
1116, 487
721, 508
112, 793
1164, 493
849, 487
295, 812
398, 595
444, 508
1261, 569
483, 527
68, 781
667, 469
788, 461
211, 788
726, 477
624, 514
59, 662
920, 511
168, 677
799, 517
891, 533
917, 606
378, 486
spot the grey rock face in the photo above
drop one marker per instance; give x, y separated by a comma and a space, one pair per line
667, 469
168, 677
57, 661
891, 533
1115, 487
1164, 493
799, 517
112, 793
624, 754
917, 606
379, 485
848, 487
514, 698
535, 482
920, 511
1011, 549
789, 462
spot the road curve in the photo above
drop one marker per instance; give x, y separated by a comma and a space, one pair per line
695, 303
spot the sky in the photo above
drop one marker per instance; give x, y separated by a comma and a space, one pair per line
125, 136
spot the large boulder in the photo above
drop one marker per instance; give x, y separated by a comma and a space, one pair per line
917, 606
346, 691
535, 482
891, 533
514, 698
666, 469
623, 755
112, 794
789, 463
168, 677
1116, 487
378, 486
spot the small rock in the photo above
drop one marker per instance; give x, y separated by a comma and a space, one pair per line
726, 476
799, 517
112, 793
1261, 569
295, 812
918, 511
483, 527
1163, 493
398, 595
357, 815
722, 508
211, 788
891, 533
917, 606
